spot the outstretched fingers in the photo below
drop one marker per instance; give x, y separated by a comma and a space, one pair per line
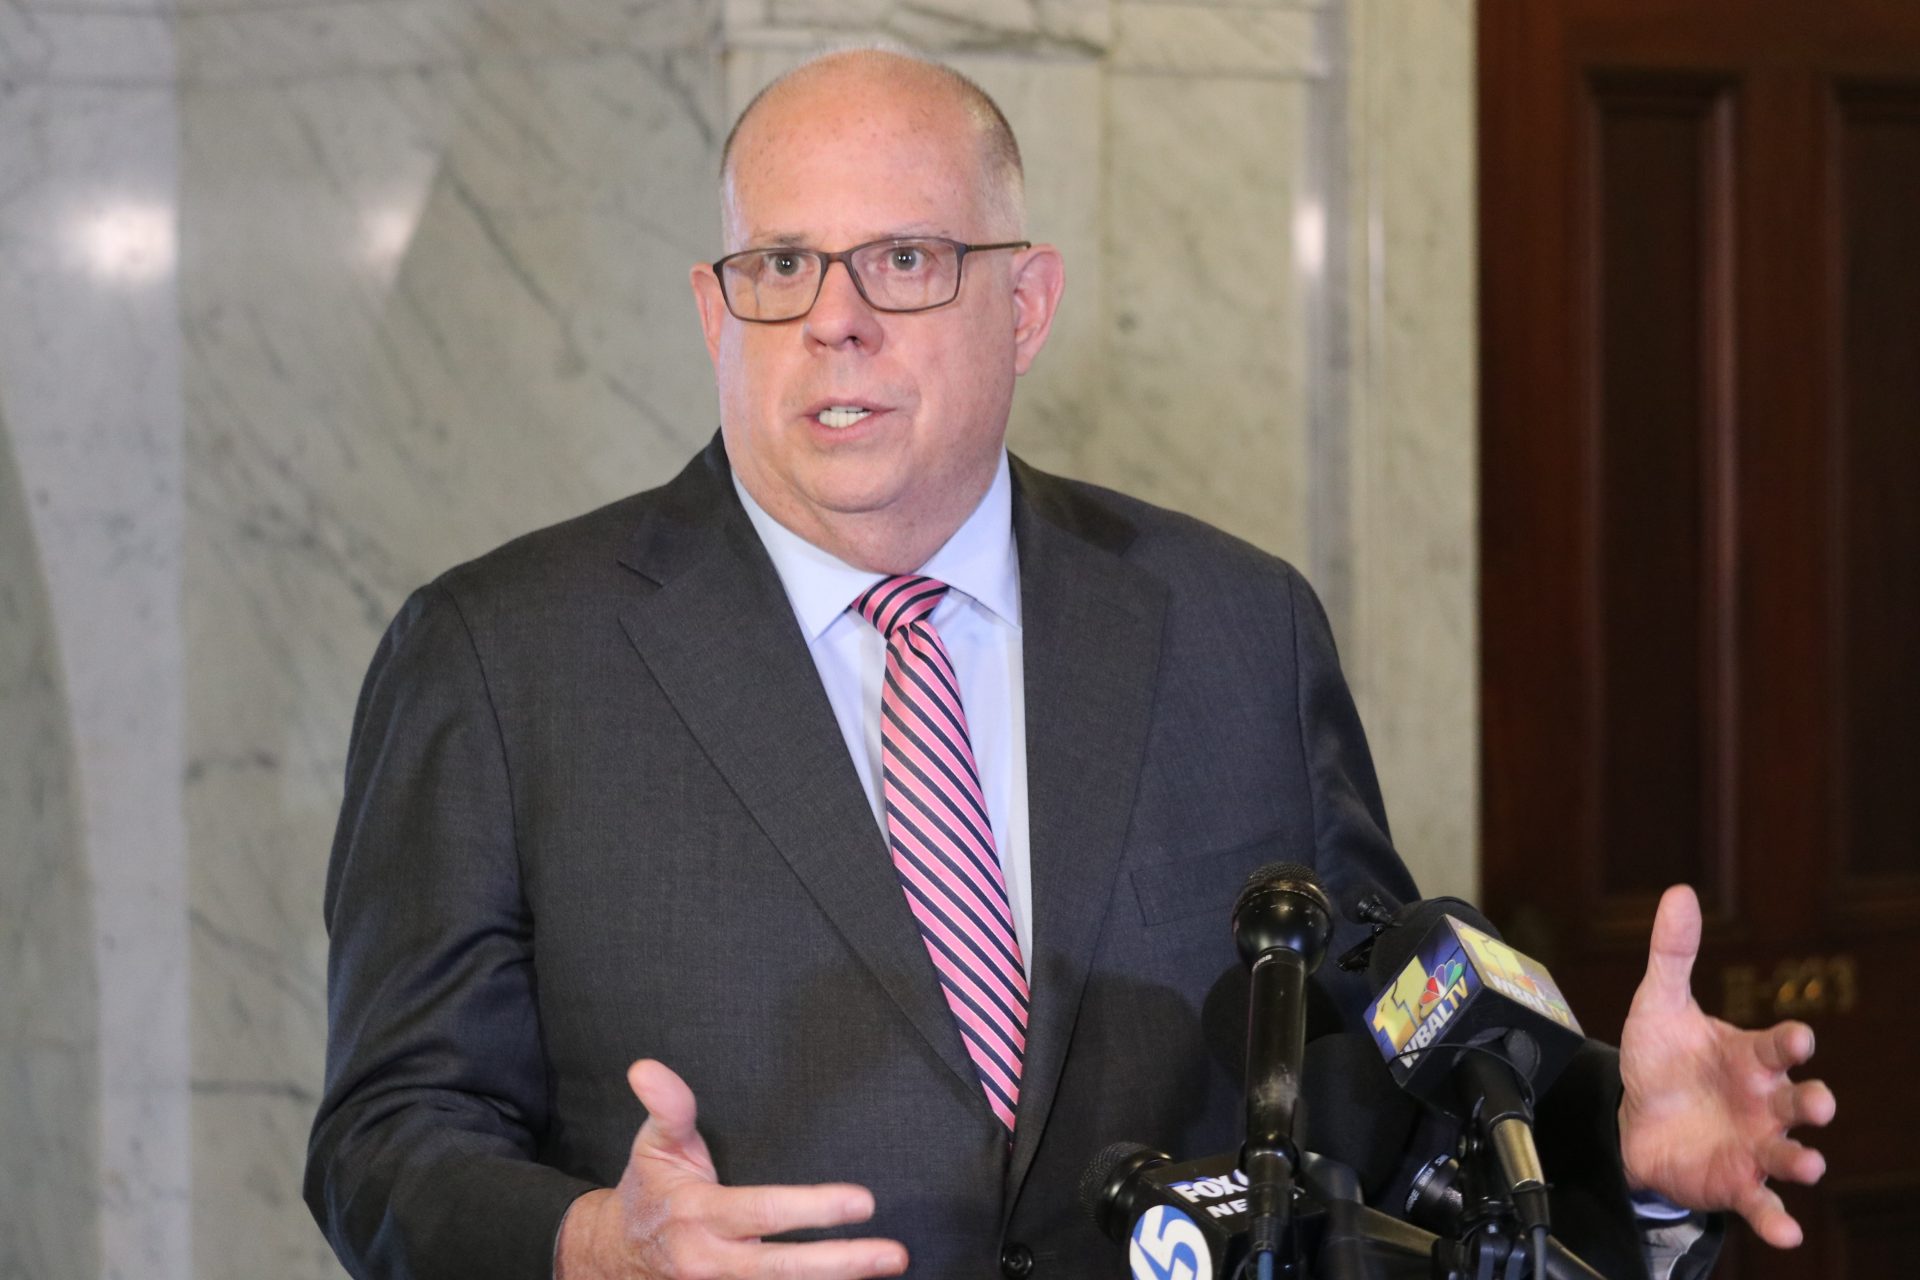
1803, 1102
1670, 955
747, 1213
1784, 1045
1769, 1218
1791, 1161
717, 1230
1813, 1104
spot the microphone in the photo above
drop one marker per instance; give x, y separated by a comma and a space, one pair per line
1473, 1028
1281, 923
1173, 1219
1190, 1218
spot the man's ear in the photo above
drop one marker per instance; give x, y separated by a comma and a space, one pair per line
713, 307
1039, 275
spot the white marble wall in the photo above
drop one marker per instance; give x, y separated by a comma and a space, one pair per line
300, 303
98, 1161
49, 989
1408, 580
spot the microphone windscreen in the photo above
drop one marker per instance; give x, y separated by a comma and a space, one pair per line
1282, 905
1282, 877
1096, 1183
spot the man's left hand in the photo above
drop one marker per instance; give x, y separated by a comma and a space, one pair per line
1707, 1106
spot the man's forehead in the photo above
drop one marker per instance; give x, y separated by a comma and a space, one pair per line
771, 238
796, 189
856, 104
787, 135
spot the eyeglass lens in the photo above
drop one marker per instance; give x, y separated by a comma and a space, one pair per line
895, 275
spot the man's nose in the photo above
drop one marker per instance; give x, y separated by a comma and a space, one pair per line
840, 315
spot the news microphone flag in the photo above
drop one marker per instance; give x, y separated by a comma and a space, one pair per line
1461, 985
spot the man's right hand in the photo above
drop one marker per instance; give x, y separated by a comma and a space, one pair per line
670, 1219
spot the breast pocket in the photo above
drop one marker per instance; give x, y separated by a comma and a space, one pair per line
1203, 886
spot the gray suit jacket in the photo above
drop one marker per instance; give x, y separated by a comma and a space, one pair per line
597, 808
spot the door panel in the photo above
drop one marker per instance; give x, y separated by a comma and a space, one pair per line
1653, 218
1876, 419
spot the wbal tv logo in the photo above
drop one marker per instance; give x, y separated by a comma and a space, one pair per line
1411, 1013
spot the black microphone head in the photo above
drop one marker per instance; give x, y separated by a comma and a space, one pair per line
1282, 906
1104, 1185
1411, 924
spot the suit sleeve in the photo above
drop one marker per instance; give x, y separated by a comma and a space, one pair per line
421, 1161
1353, 851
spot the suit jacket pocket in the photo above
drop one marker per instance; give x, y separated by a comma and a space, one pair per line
1202, 884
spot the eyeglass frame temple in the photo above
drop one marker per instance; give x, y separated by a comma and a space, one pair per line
845, 258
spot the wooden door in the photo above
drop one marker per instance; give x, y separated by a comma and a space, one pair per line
1700, 549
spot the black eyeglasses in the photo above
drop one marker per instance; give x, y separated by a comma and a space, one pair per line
767, 286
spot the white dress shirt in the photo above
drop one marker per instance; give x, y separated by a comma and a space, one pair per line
978, 621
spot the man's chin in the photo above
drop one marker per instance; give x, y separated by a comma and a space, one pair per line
854, 490
857, 504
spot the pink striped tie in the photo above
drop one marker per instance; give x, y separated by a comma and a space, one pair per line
941, 839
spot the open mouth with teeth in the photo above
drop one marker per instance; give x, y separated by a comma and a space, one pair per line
841, 415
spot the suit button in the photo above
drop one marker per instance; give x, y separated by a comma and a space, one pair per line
1016, 1262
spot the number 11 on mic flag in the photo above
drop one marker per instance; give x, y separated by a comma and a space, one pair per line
1459, 983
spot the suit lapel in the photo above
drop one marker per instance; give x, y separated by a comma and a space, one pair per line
1091, 626
719, 612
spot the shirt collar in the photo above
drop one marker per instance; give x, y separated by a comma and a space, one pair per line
978, 561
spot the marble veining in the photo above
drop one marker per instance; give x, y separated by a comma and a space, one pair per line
360, 38
90, 395
423, 314
1027, 27
1203, 40
1200, 309
1414, 655
49, 988
122, 47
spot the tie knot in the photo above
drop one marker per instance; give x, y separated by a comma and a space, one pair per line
899, 601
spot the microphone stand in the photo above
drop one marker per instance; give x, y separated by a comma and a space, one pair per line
1357, 1242
1354, 1242
1334, 1235
1483, 1237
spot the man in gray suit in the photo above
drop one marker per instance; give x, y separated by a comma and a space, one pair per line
647, 785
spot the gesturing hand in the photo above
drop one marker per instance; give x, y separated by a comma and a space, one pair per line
670, 1219
1707, 1106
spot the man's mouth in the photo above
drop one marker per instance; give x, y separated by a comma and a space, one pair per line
841, 416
